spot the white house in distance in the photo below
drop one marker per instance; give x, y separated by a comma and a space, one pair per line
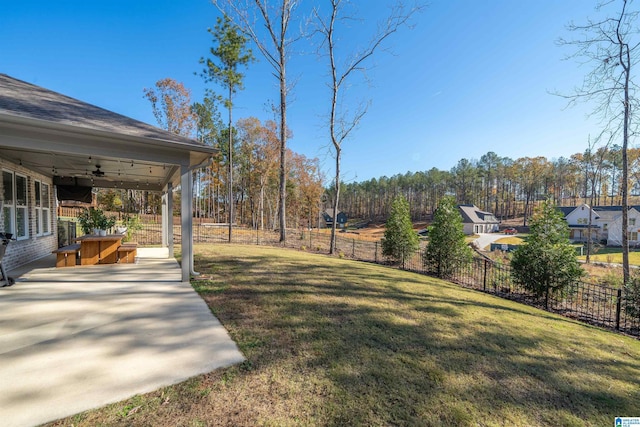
577, 218
606, 223
476, 221
633, 228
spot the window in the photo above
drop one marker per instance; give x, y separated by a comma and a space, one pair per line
15, 209
632, 221
38, 193
605, 227
22, 211
633, 236
43, 208
9, 207
46, 209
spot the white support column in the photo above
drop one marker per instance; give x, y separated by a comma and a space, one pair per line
186, 214
165, 216
169, 220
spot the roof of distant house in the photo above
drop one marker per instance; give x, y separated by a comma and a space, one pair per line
329, 212
604, 213
473, 214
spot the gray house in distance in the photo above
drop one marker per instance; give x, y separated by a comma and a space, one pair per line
327, 217
476, 221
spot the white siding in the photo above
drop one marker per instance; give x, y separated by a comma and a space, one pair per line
615, 229
580, 216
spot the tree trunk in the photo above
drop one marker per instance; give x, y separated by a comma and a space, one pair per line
283, 136
625, 61
230, 169
336, 200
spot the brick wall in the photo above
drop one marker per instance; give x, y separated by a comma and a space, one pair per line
34, 247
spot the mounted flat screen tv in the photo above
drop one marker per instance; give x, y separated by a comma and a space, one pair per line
74, 192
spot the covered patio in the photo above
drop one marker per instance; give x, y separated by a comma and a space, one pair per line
76, 338
71, 342
48, 137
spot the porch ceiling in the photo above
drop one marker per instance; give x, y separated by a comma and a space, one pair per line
67, 139
71, 169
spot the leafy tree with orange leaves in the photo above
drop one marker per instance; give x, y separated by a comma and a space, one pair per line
171, 103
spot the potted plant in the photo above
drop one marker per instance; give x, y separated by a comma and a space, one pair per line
94, 220
86, 222
103, 222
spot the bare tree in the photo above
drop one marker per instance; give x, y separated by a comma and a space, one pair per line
275, 17
341, 121
593, 163
610, 45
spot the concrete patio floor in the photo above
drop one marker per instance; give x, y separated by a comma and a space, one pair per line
77, 338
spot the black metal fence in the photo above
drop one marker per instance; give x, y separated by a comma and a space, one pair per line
595, 304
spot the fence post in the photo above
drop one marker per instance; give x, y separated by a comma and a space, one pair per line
618, 309
376, 255
353, 248
484, 280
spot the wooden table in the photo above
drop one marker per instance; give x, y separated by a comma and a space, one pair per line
99, 249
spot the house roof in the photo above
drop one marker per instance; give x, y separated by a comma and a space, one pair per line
22, 99
327, 215
604, 213
65, 138
566, 210
329, 212
473, 214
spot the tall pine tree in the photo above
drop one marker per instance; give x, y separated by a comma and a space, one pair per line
547, 263
400, 241
447, 249
230, 52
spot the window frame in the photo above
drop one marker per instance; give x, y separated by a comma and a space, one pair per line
37, 194
21, 207
42, 207
8, 204
46, 208
11, 207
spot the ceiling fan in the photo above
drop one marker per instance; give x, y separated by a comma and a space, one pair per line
97, 173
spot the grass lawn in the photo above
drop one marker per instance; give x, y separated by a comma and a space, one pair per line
333, 342
613, 255
510, 240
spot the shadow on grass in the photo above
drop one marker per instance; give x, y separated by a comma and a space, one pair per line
356, 344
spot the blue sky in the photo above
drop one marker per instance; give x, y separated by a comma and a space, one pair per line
471, 76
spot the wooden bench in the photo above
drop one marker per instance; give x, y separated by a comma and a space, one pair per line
67, 255
127, 253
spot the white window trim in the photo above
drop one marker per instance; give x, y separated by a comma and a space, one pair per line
25, 206
10, 204
37, 208
45, 210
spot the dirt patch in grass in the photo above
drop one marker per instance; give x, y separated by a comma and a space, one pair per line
332, 342
374, 232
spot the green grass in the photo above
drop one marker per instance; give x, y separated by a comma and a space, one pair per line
510, 240
332, 342
613, 255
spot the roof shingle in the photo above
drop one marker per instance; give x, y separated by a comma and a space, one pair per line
22, 99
